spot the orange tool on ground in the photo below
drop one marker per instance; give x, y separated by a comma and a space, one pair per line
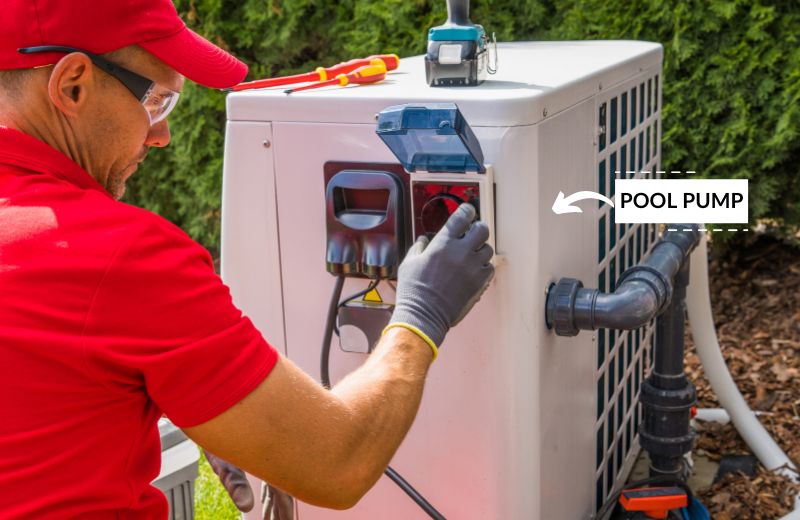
392, 61
372, 73
654, 502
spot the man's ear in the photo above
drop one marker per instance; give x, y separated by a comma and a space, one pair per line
71, 82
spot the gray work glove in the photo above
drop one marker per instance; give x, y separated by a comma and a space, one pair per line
439, 282
234, 481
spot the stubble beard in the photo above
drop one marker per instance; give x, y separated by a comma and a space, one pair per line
115, 184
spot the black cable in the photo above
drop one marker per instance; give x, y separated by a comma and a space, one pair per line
373, 284
330, 324
415, 496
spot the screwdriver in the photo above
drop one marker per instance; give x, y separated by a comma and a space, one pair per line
392, 61
372, 73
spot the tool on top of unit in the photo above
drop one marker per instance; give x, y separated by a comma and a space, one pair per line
391, 61
458, 51
364, 75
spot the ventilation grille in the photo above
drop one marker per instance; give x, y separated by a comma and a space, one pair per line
628, 146
181, 501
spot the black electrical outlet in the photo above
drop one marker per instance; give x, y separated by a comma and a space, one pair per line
365, 214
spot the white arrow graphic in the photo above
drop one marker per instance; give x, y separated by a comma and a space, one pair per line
564, 204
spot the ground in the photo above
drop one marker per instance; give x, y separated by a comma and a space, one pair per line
756, 301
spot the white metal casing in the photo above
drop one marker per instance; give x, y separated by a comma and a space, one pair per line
513, 422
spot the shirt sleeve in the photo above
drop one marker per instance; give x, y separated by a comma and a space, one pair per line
162, 322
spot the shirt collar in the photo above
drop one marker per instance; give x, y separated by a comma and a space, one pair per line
26, 152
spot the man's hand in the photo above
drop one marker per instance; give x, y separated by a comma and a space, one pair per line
234, 481
329, 447
439, 282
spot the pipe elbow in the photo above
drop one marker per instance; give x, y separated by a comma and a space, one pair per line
630, 307
643, 291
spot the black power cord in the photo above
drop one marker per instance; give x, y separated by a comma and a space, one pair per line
373, 284
413, 493
330, 327
330, 324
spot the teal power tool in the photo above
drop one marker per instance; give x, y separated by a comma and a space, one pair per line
458, 51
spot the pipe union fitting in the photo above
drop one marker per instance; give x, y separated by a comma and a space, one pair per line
561, 306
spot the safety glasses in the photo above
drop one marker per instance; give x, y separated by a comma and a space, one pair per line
156, 100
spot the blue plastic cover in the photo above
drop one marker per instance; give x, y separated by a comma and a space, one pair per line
432, 137
469, 33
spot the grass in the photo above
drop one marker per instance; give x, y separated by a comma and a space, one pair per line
211, 502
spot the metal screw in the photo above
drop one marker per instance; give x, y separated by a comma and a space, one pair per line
266, 143
599, 86
544, 112
376, 116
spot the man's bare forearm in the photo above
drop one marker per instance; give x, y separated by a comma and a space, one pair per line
329, 447
383, 396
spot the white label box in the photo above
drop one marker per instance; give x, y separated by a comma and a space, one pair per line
681, 201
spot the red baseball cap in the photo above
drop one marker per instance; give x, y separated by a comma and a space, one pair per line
108, 25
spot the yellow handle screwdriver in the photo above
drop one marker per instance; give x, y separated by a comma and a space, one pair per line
372, 73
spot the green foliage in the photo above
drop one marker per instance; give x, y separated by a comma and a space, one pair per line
731, 86
731, 81
211, 501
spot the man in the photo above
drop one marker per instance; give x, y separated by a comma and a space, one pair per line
111, 317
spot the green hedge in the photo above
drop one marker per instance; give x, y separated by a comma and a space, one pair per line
731, 81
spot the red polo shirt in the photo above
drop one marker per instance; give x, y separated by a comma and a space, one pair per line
109, 316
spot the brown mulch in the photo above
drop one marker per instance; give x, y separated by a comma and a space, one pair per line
755, 293
735, 496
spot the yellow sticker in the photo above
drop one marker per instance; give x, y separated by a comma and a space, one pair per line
373, 296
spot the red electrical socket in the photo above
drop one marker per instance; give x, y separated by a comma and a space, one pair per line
434, 202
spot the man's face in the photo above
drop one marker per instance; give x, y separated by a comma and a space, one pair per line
119, 134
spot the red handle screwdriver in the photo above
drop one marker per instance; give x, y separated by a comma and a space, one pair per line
392, 61
372, 73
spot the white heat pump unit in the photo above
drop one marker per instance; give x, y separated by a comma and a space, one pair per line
515, 422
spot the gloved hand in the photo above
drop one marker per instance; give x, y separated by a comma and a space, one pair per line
439, 282
234, 481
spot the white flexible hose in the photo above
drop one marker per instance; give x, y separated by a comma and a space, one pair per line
717, 415
698, 304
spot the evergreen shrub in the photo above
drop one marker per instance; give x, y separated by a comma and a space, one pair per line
731, 81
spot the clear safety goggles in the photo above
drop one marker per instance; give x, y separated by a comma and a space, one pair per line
158, 101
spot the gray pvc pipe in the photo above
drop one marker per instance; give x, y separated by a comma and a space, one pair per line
698, 304
631, 306
639, 296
